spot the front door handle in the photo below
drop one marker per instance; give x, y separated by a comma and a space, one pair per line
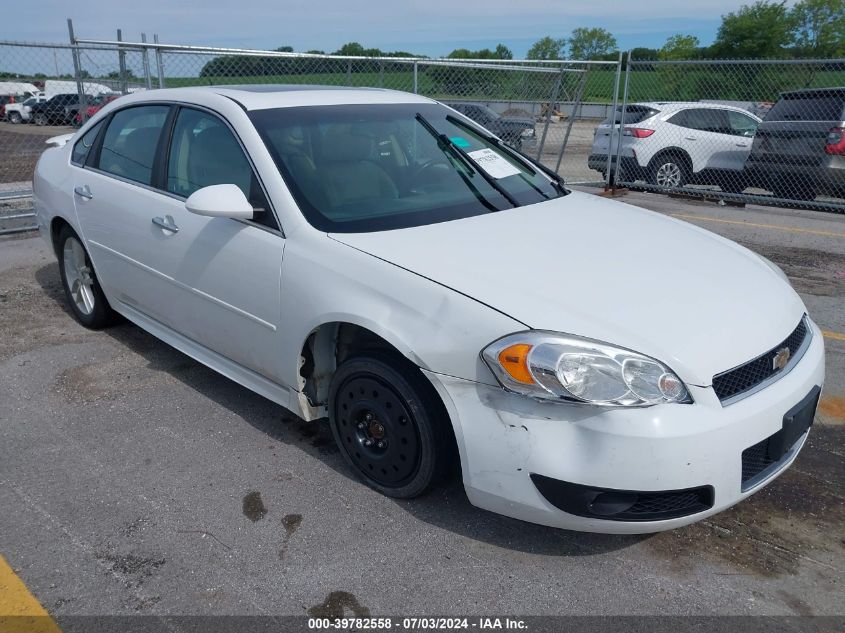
690, 138
166, 223
742, 144
83, 192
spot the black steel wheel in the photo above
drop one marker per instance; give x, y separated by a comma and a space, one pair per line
389, 424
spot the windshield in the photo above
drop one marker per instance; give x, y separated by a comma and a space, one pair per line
362, 168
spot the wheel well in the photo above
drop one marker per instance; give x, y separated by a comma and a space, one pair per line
331, 344
56, 226
326, 348
676, 152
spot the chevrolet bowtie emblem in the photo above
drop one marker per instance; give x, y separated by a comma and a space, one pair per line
781, 358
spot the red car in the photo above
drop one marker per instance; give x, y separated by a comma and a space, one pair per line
96, 103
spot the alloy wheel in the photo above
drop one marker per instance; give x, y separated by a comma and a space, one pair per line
668, 175
79, 276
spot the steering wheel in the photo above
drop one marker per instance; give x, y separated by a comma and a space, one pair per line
428, 166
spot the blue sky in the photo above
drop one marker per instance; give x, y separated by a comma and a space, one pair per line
429, 27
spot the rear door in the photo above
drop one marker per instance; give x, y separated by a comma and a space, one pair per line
115, 198
706, 137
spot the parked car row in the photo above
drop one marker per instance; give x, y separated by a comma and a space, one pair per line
59, 109
796, 152
513, 130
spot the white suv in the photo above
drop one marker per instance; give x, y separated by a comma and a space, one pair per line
674, 144
19, 112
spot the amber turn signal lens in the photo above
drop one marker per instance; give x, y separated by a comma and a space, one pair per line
514, 360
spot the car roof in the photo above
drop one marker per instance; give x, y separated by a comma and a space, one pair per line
814, 93
264, 96
666, 106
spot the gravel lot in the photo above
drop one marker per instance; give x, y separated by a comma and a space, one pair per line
135, 481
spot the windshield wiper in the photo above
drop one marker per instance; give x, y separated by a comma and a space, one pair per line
529, 162
444, 143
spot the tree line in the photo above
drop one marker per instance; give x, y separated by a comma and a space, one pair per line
763, 30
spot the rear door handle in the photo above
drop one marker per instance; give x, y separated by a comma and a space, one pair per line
166, 223
690, 138
83, 192
742, 144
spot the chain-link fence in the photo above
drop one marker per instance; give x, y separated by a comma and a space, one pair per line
693, 127
547, 109
770, 132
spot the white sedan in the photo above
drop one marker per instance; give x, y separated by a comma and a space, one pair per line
377, 259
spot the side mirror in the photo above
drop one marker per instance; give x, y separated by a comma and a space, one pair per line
220, 201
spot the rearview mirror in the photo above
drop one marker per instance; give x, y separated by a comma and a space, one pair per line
220, 201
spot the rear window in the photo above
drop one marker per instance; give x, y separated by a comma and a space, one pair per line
633, 114
811, 107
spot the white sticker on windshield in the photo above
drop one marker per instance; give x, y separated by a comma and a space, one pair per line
493, 163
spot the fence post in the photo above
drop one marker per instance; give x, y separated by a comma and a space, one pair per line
348, 72
159, 63
552, 102
607, 173
381, 73
145, 57
575, 105
416, 84
621, 122
121, 64
77, 73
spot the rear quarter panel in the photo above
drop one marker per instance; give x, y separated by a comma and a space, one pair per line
52, 190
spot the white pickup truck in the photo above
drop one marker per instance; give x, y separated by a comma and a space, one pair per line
19, 112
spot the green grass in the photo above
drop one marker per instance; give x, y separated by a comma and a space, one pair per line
666, 83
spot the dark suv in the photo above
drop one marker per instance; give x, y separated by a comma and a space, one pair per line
513, 130
799, 149
57, 110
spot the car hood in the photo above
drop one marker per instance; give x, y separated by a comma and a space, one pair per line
608, 271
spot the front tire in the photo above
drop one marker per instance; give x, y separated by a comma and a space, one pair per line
390, 425
82, 289
41, 119
15, 117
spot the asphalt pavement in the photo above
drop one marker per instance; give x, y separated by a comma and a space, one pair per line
134, 480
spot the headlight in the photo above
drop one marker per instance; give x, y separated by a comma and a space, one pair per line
527, 133
561, 367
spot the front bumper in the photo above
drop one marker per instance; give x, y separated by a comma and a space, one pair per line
504, 439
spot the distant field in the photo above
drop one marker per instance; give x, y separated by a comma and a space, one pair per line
678, 83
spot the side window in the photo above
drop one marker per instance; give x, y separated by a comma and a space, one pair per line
204, 152
703, 119
679, 118
129, 145
83, 145
741, 125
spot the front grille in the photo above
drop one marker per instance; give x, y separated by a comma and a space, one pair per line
757, 458
653, 506
740, 379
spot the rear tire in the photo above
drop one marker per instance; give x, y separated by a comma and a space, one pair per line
390, 424
668, 171
82, 289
